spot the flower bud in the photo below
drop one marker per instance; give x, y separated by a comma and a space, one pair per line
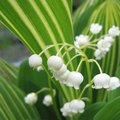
31, 98
66, 111
109, 39
114, 83
77, 106
54, 63
81, 40
114, 31
35, 61
74, 79
99, 54
61, 71
95, 28
104, 45
47, 101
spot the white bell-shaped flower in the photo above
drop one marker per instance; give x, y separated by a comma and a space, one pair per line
101, 80
35, 61
109, 38
114, 31
74, 79
77, 106
104, 45
61, 71
73, 107
114, 83
47, 101
95, 28
31, 98
54, 63
81, 40
99, 54
64, 77
66, 111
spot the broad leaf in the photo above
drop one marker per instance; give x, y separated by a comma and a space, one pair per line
91, 111
111, 111
8, 71
14, 108
38, 23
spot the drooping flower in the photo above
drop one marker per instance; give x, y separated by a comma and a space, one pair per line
66, 111
64, 77
54, 63
61, 71
99, 54
108, 38
47, 101
81, 40
95, 28
101, 80
74, 79
114, 31
73, 107
77, 106
114, 83
35, 61
104, 45
31, 98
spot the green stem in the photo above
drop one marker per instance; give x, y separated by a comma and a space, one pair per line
80, 63
87, 86
89, 77
53, 98
42, 90
105, 96
92, 60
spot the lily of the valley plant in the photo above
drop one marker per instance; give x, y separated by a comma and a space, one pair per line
69, 81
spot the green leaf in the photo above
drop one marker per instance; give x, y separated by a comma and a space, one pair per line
113, 94
8, 71
111, 111
118, 72
13, 109
30, 80
91, 111
39, 23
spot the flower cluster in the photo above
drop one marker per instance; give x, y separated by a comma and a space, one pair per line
74, 78
35, 61
73, 107
62, 74
103, 45
105, 81
80, 40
